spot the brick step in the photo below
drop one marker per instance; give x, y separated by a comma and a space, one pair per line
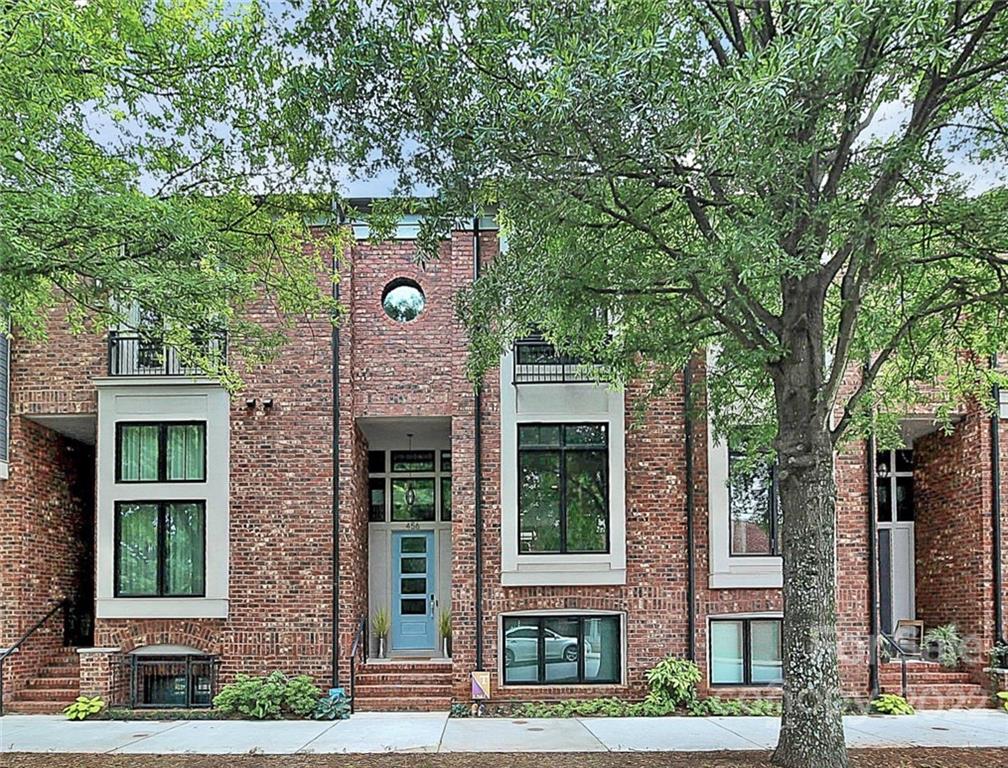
47, 694
401, 704
408, 667
415, 692
52, 681
18, 707
413, 679
963, 701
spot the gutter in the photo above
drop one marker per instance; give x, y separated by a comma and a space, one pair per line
995, 425
690, 544
478, 484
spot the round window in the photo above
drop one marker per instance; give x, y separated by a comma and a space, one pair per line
403, 300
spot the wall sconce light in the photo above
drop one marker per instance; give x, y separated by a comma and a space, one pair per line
268, 403
250, 403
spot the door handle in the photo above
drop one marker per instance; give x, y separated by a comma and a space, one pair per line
433, 602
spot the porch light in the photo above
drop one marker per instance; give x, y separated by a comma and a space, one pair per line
410, 492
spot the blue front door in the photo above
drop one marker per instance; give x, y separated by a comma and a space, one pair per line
413, 591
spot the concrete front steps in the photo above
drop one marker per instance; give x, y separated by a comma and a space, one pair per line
403, 686
51, 690
931, 686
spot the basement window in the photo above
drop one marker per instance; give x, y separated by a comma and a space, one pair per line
172, 681
746, 652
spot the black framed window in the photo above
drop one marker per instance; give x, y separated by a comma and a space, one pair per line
172, 682
753, 506
160, 549
563, 488
161, 452
746, 652
562, 650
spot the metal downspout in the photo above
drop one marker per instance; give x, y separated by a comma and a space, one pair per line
873, 608
478, 483
999, 630
690, 544
335, 484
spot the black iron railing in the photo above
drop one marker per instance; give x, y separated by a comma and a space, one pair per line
359, 647
134, 354
536, 361
893, 645
165, 682
61, 605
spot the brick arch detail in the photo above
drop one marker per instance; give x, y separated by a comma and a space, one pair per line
131, 636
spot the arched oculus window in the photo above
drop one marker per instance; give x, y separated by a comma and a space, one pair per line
403, 300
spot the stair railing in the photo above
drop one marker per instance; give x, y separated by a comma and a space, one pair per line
903, 660
61, 605
359, 646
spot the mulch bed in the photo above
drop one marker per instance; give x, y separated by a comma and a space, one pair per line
860, 758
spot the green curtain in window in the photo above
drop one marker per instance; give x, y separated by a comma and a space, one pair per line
184, 549
138, 453
185, 449
137, 549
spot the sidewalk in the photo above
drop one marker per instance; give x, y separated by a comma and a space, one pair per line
398, 732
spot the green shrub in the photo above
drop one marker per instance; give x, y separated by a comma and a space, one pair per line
949, 642
999, 656
891, 704
267, 698
83, 707
332, 707
672, 682
718, 707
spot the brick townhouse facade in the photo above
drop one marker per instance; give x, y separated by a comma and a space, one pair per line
575, 534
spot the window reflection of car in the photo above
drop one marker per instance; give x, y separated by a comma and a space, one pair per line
521, 645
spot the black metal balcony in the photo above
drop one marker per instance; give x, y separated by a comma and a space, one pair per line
536, 361
133, 354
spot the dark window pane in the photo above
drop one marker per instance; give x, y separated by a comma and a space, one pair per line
587, 507
883, 493
539, 501
765, 652
414, 586
137, 549
412, 606
602, 650
726, 652
446, 461
750, 491
376, 491
185, 446
446, 509
530, 435
412, 461
904, 460
376, 461
414, 565
563, 649
413, 499
883, 463
585, 434
904, 499
415, 544
521, 650
184, 549
138, 452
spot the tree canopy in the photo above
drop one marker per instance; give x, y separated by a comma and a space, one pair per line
141, 161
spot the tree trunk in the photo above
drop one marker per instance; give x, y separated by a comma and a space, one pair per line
811, 733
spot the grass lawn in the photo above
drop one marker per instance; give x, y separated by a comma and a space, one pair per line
861, 758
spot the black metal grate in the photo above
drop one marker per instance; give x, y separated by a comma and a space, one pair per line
165, 682
537, 362
133, 354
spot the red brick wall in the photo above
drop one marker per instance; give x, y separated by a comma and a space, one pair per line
952, 492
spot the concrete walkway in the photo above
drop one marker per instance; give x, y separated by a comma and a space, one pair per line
395, 732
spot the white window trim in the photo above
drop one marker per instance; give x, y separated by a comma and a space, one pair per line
165, 401
561, 613
561, 403
727, 571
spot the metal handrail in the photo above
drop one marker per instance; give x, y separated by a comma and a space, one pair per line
63, 605
359, 643
903, 661
549, 366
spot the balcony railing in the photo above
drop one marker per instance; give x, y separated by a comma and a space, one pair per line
132, 354
536, 361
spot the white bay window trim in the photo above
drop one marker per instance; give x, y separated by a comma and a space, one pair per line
727, 571
561, 404
141, 399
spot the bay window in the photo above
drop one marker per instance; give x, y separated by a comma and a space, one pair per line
563, 495
160, 548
